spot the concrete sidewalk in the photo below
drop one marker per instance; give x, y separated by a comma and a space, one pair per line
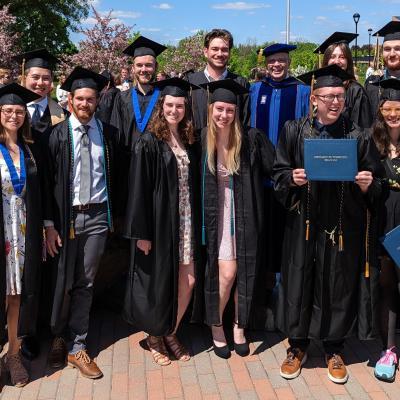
130, 373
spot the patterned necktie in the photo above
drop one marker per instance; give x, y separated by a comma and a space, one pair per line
84, 189
36, 114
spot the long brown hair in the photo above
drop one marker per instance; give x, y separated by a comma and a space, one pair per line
24, 133
346, 52
235, 143
158, 125
380, 134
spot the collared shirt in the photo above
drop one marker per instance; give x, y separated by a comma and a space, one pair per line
98, 191
42, 106
387, 75
211, 79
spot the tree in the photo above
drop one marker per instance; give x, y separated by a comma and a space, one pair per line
102, 47
8, 41
44, 23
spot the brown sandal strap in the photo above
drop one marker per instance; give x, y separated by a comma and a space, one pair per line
176, 347
158, 350
19, 375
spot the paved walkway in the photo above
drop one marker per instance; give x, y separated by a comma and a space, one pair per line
129, 372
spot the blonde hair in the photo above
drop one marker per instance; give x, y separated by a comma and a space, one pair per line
234, 145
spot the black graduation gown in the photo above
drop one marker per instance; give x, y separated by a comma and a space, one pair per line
373, 93
323, 293
153, 214
123, 118
106, 104
358, 107
256, 159
200, 101
29, 308
58, 207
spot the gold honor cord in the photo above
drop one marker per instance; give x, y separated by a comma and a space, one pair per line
367, 243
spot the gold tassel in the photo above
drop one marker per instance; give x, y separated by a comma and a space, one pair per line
307, 229
341, 248
23, 73
367, 244
367, 269
71, 230
260, 56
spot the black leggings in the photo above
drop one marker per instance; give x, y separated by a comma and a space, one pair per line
390, 300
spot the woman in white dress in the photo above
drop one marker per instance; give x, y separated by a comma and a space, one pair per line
20, 225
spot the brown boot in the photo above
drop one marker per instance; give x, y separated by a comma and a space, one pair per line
58, 353
337, 371
291, 366
87, 367
18, 373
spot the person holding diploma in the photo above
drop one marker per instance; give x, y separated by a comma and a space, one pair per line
235, 163
324, 254
386, 133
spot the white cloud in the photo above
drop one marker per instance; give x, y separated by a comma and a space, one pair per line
125, 14
297, 17
162, 6
240, 5
321, 18
150, 29
341, 7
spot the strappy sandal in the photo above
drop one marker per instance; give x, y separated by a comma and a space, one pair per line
18, 373
176, 347
158, 350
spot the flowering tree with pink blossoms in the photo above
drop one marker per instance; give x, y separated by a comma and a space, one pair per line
8, 42
102, 47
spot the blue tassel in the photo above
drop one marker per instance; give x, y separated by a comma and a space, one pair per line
203, 235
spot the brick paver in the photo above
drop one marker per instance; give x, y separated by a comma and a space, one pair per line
131, 374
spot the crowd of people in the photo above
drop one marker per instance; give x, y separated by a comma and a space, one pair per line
203, 178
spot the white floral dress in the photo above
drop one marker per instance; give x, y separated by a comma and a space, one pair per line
14, 213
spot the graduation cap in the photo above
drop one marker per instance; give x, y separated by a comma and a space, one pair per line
144, 47
391, 89
40, 58
81, 78
225, 90
16, 95
335, 38
278, 48
390, 31
176, 87
330, 76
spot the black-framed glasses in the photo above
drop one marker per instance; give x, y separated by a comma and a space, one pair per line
329, 98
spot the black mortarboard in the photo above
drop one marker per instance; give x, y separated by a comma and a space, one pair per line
176, 87
278, 48
14, 94
225, 90
335, 38
81, 78
40, 58
330, 76
390, 89
144, 47
390, 31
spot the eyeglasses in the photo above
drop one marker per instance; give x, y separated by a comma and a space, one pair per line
9, 112
329, 98
387, 111
280, 61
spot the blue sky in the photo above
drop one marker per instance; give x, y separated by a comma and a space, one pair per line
252, 21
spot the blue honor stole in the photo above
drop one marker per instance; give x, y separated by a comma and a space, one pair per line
18, 182
141, 121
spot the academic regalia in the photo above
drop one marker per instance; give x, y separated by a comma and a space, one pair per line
200, 101
256, 158
358, 107
106, 104
59, 207
14, 94
324, 293
152, 214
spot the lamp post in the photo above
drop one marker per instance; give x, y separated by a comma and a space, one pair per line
356, 18
287, 21
369, 45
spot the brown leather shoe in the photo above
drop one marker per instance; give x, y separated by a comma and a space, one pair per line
337, 371
291, 366
58, 353
87, 367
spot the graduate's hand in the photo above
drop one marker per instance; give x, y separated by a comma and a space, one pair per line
144, 245
363, 180
299, 177
52, 240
